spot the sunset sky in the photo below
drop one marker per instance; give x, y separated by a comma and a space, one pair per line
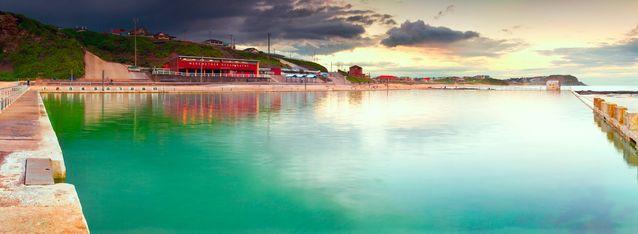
586, 38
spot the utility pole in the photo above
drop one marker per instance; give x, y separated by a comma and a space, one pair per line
268, 45
102, 80
201, 71
135, 21
314, 56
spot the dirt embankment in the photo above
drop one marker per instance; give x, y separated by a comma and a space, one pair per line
94, 66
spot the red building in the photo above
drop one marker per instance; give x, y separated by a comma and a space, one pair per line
387, 77
208, 65
356, 71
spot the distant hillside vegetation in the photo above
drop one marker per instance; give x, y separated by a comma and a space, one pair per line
30, 49
307, 64
155, 53
471, 80
355, 79
567, 80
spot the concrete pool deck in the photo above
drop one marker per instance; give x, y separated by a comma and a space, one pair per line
87, 87
26, 132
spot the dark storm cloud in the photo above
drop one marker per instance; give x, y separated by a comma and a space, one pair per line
417, 33
248, 20
164, 15
313, 21
448, 41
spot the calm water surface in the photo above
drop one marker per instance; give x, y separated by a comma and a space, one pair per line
398, 161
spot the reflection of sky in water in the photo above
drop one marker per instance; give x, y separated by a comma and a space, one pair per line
344, 161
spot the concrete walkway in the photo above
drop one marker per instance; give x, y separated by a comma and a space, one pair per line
25, 132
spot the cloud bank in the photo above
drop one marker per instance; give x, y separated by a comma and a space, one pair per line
249, 21
454, 42
623, 53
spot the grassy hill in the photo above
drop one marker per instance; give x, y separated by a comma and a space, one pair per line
30, 49
307, 64
154, 53
355, 79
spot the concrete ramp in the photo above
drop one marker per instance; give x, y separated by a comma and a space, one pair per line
139, 76
94, 65
338, 78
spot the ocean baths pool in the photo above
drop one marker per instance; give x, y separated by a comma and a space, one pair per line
397, 161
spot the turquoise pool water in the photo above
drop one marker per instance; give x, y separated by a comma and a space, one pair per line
398, 161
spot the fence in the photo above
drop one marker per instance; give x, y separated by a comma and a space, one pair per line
9, 95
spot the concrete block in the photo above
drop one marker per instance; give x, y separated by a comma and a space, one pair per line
597, 102
603, 106
620, 114
38, 172
631, 121
611, 110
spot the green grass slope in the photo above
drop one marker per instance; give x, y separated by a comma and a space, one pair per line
31, 49
307, 64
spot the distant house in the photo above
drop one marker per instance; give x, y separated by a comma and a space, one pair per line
118, 31
81, 29
252, 50
139, 32
387, 78
214, 42
163, 37
355, 71
553, 85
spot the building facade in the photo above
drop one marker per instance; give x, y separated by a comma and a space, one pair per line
356, 71
209, 66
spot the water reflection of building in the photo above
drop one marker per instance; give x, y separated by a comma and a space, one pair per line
98, 106
188, 108
630, 154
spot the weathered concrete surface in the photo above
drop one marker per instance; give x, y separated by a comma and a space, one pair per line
38, 172
5, 84
94, 66
25, 132
168, 88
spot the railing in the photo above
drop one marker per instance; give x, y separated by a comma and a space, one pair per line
9, 95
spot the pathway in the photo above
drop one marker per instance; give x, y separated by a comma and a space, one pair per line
25, 132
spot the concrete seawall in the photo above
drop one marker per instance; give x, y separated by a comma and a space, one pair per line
26, 133
221, 88
618, 117
88, 87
